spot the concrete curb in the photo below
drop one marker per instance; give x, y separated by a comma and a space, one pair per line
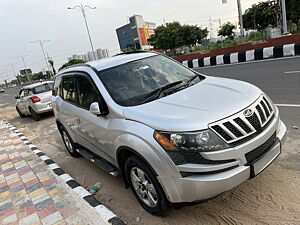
108, 216
250, 55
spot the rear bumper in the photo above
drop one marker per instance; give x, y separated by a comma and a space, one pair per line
40, 108
199, 187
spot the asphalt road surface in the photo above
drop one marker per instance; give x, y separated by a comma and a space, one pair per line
270, 198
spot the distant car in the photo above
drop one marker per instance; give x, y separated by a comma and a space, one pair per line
34, 100
1, 90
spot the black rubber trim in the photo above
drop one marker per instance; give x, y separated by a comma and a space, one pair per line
297, 49
40, 154
116, 221
258, 54
73, 184
188, 174
58, 171
252, 174
213, 60
49, 161
201, 62
92, 200
242, 56
226, 59
278, 51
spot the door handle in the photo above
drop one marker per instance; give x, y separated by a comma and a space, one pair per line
77, 119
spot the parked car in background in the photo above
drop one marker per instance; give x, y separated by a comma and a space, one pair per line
173, 134
35, 99
1, 90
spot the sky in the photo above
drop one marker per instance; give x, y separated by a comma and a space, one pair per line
24, 21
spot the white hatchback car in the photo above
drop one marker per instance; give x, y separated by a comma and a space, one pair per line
35, 99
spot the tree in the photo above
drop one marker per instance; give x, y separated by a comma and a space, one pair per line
175, 35
71, 62
293, 10
261, 15
40, 76
227, 30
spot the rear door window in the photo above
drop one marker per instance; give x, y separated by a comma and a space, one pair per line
42, 88
68, 89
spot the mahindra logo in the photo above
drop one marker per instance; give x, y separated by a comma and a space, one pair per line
248, 112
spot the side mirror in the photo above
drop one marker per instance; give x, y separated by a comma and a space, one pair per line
99, 109
17, 97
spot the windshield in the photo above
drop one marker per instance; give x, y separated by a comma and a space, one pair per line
131, 83
43, 88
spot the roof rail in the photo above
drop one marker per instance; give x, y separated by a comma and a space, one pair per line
132, 52
75, 65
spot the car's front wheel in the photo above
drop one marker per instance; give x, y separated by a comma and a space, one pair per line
145, 186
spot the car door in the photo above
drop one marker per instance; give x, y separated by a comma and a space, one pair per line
92, 129
67, 106
23, 101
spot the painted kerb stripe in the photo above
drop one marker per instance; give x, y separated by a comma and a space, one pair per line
107, 215
250, 55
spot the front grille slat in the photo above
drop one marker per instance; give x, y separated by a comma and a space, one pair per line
244, 125
237, 126
268, 104
261, 114
222, 133
233, 129
265, 108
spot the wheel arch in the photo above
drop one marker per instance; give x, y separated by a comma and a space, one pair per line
123, 153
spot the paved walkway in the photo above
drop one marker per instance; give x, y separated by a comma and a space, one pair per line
30, 193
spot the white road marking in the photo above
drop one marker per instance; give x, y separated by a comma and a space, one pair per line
287, 105
292, 72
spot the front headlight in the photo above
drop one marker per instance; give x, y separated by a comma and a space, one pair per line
201, 141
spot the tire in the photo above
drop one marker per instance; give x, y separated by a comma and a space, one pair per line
20, 113
154, 201
34, 115
68, 142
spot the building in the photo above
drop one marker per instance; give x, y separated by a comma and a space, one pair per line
90, 56
135, 34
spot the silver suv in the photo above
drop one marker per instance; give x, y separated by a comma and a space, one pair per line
173, 134
34, 100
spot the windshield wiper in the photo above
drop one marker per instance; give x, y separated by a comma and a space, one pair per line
156, 93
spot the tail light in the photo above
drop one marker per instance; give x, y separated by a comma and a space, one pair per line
35, 99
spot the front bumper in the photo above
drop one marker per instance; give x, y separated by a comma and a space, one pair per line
42, 107
200, 187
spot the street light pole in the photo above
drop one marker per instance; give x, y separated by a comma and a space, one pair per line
42, 42
240, 17
284, 21
82, 8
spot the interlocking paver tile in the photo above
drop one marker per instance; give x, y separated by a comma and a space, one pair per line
31, 194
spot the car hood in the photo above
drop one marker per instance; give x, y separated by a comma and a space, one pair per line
195, 107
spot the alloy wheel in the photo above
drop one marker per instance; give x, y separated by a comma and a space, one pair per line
67, 141
143, 187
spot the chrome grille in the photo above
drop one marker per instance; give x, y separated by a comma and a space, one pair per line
239, 126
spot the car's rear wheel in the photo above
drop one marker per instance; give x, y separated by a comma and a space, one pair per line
70, 146
145, 186
20, 113
34, 115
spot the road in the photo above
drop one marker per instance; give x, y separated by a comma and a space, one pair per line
270, 198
